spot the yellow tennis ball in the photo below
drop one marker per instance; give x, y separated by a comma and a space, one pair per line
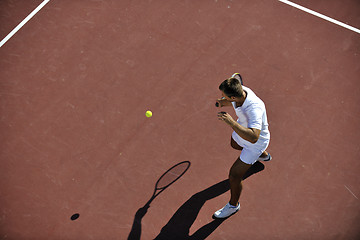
148, 114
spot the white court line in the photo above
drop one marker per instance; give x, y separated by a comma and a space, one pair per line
36, 10
320, 15
351, 192
284, 1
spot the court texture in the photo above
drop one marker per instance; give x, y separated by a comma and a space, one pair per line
79, 159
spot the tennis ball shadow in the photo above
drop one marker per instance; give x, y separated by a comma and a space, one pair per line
179, 225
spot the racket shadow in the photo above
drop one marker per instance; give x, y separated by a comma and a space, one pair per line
179, 225
166, 180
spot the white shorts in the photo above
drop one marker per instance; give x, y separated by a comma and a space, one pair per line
251, 151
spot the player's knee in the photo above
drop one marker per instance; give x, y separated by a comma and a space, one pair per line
238, 170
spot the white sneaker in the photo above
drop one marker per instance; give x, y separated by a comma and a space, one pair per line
267, 158
227, 211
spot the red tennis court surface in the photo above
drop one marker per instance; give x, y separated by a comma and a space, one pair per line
75, 83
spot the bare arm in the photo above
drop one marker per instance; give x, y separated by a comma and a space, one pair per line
249, 134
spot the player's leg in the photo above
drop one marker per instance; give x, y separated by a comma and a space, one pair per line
264, 154
236, 174
248, 157
235, 145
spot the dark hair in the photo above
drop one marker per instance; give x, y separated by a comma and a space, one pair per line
231, 87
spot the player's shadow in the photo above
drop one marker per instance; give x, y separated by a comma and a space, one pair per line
178, 227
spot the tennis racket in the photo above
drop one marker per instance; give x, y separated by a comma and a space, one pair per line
169, 177
238, 77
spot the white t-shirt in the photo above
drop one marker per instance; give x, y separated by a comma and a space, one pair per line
252, 114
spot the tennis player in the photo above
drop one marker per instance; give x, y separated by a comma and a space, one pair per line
251, 135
